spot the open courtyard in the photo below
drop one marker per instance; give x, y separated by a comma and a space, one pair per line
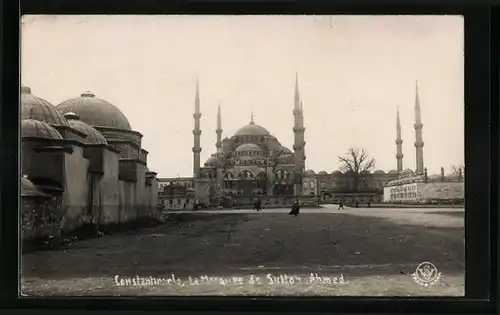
355, 251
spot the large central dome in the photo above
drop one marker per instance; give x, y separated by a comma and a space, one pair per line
95, 111
252, 129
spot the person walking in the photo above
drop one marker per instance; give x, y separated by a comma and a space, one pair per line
295, 208
341, 205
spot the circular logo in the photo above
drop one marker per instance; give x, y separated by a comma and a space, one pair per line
426, 274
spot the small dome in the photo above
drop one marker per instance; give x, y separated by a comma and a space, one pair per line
310, 173
38, 129
393, 172
337, 173
211, 160
95, 111
322, 173
379, 172
33, 107
252, 129
248, 147
93, 135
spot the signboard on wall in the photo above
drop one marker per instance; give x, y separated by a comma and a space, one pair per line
408, 192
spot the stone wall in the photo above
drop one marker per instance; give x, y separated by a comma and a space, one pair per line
352, 198
75, 197
274, 201
108, 185
39, 217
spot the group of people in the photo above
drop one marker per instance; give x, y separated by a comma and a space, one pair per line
257, 206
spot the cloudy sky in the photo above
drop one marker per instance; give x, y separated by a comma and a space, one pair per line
354, 71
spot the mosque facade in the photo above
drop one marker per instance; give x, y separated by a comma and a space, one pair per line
81, 163
254, 163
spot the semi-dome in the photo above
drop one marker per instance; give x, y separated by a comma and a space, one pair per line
38, 129
337, 173
211, 160
379, 172
248, 147
95, 111
393, 172
252, 129
93, 136
284, 150
322, 173
34, 107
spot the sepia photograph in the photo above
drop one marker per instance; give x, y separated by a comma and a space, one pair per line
242, 155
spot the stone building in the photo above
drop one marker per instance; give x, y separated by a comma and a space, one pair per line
176, 193
84, 154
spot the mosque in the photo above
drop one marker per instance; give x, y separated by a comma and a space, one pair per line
253, 163
81, 163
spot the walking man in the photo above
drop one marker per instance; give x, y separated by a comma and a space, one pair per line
295, 208
341, 205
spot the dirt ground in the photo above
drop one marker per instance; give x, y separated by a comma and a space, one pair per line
354, 252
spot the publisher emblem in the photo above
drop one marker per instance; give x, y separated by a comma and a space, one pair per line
426, 274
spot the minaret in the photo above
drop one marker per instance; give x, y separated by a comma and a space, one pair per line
196, 133
419, 143
218, 144
399, 144
299, 143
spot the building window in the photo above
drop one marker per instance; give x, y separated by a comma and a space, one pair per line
179, 200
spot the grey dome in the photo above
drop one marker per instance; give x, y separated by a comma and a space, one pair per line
93, 135
38, 129
95, 111
33, 107
252, 129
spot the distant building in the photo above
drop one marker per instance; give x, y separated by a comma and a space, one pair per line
416, 186
81, 163
176, 193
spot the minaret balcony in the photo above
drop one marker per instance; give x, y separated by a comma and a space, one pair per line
419, 144
418, 126
399, 156
197, 132
399, 141
299, 129
196, 150
197, 115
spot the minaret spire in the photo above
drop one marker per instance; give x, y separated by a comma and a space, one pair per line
252, 122
399, 143
297, 94
299, 143
218, 145
419, 143
196, 133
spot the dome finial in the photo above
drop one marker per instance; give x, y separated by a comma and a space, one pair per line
25, 90
251, 119
88, 94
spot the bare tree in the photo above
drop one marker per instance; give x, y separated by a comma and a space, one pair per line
359, 163
457, 169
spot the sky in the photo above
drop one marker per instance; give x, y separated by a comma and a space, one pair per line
353, 72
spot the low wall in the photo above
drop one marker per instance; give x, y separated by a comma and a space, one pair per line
351, 198
274, 201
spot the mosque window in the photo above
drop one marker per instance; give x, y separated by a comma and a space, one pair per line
179, 200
